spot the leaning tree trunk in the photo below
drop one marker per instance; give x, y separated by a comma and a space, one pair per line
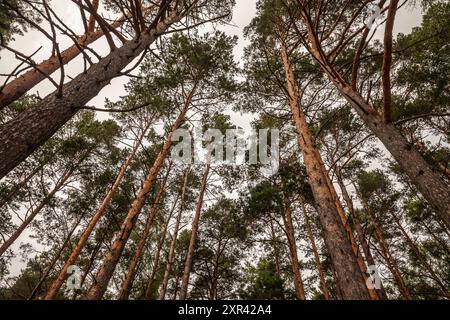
112, 258
152, 278
360, 233
194, 235
421, 174
390, 261
290, 234
59, 184
22, 84
126, 287
349, 276
58, 282
171, 256
30, 129
323, 282
374, 295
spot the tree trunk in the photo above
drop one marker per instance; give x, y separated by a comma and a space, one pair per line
62, 276
148, 291
390, 261
422, 175
112, 258
171, 256
360, 233
325, 290
30, 129
22, 84
275, 249
126, 287
349, 277
290, 234
59, 184
361, 264
212, 292
194, 235
88, 268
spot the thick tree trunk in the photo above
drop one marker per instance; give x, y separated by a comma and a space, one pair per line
194, 235
126, 287
55, 259
62, 276
171, 256
59, 184
30, 129
22, 84
290, 234
151, 281
325, 290
421, 174
349, 277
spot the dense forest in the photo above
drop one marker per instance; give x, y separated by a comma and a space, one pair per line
94, 203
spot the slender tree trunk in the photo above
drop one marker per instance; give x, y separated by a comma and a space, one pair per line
62, 276
126, 287
290, 233
113, 256
361, 264
171, 256
22, 84
30, 129
349, 276
148, 291
421, 174
59, 184
360, 233
55, 259
212, 292
194, 235
88, 268
325, 290
390, 261
275, 249
422, 257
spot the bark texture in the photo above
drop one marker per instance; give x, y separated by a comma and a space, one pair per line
112, 258
349, 277
30, 129
62, 276
194, 235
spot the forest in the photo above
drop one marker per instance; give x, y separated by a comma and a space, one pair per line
352, 114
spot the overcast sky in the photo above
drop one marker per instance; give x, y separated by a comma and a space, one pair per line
244, 11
